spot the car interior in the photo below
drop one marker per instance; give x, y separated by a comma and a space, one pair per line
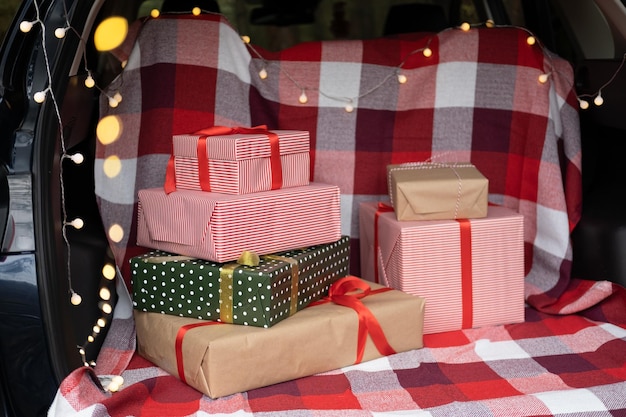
502, 84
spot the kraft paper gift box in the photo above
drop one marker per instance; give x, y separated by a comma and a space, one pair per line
437, 191
241, 160
470, 271
261, 295
219, 227
221, 359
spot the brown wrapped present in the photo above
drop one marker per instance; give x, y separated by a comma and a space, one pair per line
437, 191
220, 359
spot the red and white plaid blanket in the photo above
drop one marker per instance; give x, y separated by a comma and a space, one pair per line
476, 99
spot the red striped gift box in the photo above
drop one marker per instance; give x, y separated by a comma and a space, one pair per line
241, 163
470, 271
219, 227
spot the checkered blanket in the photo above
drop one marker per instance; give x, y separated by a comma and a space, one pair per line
476, 99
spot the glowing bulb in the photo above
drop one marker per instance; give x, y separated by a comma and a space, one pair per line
531, 40
123, 63
101, 322
92, 363
303, 98
105, 294
96, 329
117, 96
108, 271
75, 299
112, 166
196, 11
116, 233
81, 351
349, 108
109, 129
113, 102
155, 13
77, 223
89, 81
263, 74
106, 308
90, 339
110, 33
543, 78
26, 26
598, 101
465, 26
77, 158
118, 379
113, 387
490, 23
427, 52
39, 97
60, 32
245, 39
584, 104
402, 78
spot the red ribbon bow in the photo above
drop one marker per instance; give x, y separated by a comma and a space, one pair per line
348, 292
203, 158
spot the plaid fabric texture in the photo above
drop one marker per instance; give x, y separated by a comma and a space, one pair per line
476, 99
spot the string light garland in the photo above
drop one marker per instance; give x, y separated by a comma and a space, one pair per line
48, 94
109, 271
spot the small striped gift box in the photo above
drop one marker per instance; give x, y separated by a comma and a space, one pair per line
219, 227
255, 295
241, 163
470, 271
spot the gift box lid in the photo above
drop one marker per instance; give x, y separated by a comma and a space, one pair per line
241, 146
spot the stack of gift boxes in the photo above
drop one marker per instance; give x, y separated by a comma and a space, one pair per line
246, 283
439, 238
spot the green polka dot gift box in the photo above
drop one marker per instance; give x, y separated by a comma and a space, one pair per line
240, 293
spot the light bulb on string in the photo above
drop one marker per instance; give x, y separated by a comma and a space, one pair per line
427, 52
77, 223
263, 74
490, 23
113, 103
245, 39
196, 11
584, 104
117, 96
465, 26
90, 339
89, 81
531, 40
154, 13
105, 294
60, 32
349, 108
75, 298
303, 99
543, 78
26, 26
402, 79
77, 158
598, 101
101, 322
40, 96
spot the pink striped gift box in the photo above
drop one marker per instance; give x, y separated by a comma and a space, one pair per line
218, 227
470, 271
241, 163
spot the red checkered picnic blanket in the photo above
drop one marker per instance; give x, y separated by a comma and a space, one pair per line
476, 99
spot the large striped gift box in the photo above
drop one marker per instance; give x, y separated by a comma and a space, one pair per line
219, 227
220, 359
260, 294
241, 163
470, 271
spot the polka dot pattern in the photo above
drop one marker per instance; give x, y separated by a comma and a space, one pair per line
259, 296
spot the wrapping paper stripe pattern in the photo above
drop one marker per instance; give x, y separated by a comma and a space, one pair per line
260, 296
219, 227
425, 258
240, 164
